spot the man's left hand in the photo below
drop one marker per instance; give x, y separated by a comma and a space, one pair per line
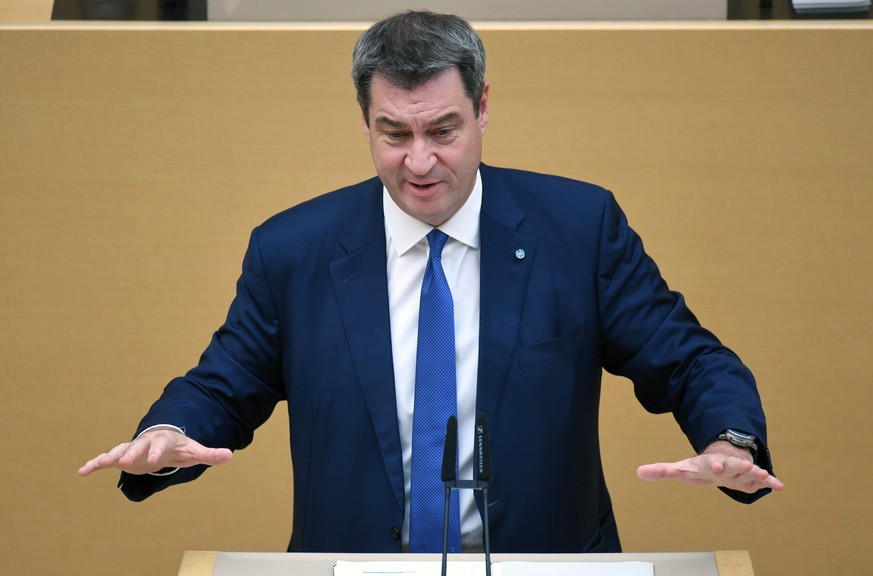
720, 464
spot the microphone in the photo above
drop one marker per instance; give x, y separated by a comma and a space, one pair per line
449, 476
483, 449
450, 451
483, 478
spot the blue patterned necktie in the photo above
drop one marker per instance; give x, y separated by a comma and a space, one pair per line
436, 399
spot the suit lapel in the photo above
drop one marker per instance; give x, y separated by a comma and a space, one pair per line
506, 262
361, 288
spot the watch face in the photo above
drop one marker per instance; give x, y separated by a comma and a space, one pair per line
740, 439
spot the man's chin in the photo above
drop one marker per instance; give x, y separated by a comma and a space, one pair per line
429, 213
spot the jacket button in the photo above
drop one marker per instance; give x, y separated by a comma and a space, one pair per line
395, 533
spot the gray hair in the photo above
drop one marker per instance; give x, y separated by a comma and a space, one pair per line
409, 48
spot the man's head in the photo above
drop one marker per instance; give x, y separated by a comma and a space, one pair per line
424, 102
409, 48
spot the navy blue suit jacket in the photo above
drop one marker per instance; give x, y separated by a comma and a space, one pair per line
310, 325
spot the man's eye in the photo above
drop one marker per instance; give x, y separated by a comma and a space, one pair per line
394, 135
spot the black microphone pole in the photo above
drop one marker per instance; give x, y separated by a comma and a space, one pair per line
483, 478
449, 476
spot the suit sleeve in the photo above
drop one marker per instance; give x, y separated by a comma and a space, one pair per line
676, 365
235, 386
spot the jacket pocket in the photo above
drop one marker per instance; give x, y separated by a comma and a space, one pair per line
559, 347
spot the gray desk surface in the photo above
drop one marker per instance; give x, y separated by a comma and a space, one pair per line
208, 563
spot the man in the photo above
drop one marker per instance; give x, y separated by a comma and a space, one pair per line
548, 283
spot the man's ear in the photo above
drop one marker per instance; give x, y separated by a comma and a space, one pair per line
483, 108
365, 124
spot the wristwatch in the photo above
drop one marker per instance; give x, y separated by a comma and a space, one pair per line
740, 439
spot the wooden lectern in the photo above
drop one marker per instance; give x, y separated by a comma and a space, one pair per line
203, 563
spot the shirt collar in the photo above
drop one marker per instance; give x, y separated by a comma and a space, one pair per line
406, 231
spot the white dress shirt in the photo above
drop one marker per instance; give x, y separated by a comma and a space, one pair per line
407, 251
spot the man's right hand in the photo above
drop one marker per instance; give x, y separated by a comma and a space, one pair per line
155, 450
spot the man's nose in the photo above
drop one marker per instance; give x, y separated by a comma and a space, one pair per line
420, 158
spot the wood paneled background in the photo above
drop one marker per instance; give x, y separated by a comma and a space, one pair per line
135, 159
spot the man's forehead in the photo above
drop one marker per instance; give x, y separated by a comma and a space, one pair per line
440, 100
413, 80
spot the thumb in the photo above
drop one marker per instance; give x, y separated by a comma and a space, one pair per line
652, 472
215, 456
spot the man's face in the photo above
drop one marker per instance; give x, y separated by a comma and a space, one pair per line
427, 144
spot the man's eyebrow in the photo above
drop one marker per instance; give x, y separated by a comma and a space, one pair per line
390, 122
451, 117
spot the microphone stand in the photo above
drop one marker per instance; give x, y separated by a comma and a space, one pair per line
482, 480
445, 565
469, 485
487, 535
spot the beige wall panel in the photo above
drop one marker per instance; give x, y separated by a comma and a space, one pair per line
26, 11
135, 161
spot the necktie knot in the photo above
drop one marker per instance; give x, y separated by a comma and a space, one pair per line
436, 239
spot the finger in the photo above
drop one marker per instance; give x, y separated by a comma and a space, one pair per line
736, 467
775, 483
747, 477
132, 455
90, 466
160, 445
758, 479
105, 460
